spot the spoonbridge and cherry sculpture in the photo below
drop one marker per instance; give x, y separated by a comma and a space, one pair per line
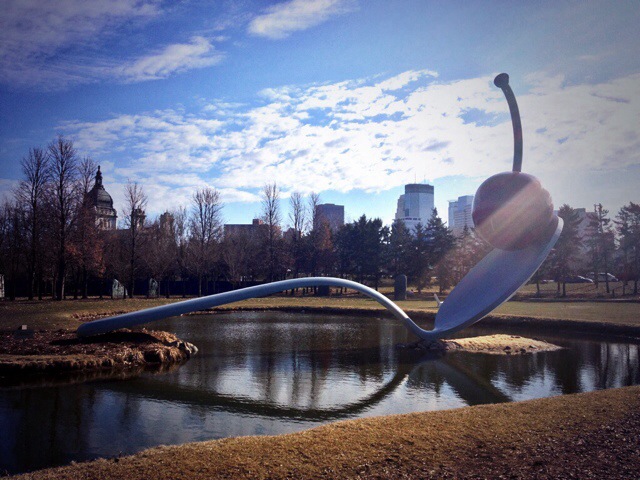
511, 211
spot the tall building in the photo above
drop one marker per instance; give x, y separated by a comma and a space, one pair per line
460, 214
247, 229
101, 201
416, 205
332, 214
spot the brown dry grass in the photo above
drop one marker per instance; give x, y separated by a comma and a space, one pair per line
546, 438
51, 315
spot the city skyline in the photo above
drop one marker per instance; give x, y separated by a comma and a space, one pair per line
349, 99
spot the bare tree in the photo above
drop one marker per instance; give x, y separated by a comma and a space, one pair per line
206, 230
31, 194
317, 235
298, 220
314, 201
63, 172
238, 250
134, 218
12, 228
181, 240
271, 217
88, 243
87, 172
160, 254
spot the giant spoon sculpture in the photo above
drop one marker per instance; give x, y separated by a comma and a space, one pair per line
511, 211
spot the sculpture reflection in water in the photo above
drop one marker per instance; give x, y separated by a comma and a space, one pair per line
512, 212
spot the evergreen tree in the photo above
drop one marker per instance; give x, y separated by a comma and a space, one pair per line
361, 249
442, 242
400, 243
467, 252
419, 273
563, 258
601, 243
628, 227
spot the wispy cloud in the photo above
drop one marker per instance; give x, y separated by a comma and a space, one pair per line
33, 34
56, 44
199, 53
281, 20
371, 134
7, 188
33, 28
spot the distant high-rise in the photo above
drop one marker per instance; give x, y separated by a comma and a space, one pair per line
416, 205
460, 214
332, 214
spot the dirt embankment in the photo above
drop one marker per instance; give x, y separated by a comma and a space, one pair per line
27, 352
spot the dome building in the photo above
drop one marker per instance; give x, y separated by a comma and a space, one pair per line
102, 202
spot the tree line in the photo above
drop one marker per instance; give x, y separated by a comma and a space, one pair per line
51, 245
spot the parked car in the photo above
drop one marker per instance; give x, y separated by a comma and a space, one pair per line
602, 277
576, 279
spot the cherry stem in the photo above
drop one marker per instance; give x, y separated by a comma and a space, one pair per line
502, 81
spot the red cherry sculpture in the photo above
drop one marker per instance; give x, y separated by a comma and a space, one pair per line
512, 211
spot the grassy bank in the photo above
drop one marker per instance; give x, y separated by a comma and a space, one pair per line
591, 435
51, 315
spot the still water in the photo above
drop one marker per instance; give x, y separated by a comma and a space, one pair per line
271, 373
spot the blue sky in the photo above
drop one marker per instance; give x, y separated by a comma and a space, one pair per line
348, 98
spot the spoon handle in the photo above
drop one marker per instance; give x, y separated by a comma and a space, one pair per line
502, 81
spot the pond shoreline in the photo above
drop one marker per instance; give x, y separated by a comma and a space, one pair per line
493, 320
522, 439
167, 350
592, 435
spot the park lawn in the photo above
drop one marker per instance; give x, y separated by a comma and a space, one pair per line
51, 315
624, 313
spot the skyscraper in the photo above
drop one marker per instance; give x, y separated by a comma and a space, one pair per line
416, 205
460, 214
332, 214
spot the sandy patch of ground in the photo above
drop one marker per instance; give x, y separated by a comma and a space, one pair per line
499, 344
44, 352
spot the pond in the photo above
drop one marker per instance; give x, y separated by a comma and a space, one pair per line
270, 373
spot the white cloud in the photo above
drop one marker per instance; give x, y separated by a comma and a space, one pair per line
366, 135
199, 53
282, 19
